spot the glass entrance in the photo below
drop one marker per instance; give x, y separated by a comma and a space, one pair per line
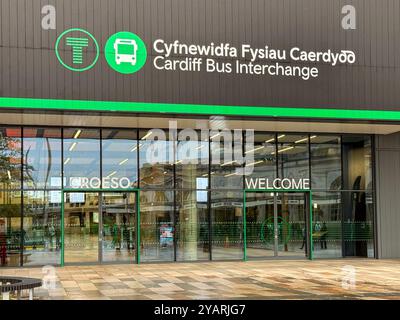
118, 227
99, 227
260, 225
292, 226
81, 227
277, 225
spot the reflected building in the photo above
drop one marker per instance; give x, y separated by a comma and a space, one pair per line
180, 205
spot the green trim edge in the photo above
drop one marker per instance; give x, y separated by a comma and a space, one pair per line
199, 109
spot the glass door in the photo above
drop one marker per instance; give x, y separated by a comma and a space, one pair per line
118, 227
81, 227
100, 227
276, 225
260, 241
292, 226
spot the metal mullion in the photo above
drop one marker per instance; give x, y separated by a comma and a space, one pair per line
341, 195
209, 199
100, 197
276, 244
175, 212
308, 227
374, 197
22, 240
137, 198
101, 158
275, 196
244, 231
62, 199
137, 157
100, 229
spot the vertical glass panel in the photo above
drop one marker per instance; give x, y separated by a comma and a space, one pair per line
119, 227
357, 163
358, 227
119, 151
10, 158
42, 158
293, 156
292, 228
156, 158
42, 232
82, 158
326, 166
226, 160
227, 225
263, 155
192, 158
157, 225
369, 224
10, 229
81, 227
192, 226
260, 225
327, 224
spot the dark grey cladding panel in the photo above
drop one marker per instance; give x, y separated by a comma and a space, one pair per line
387, 194
29, 67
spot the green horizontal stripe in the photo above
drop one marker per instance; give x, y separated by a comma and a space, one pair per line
198, 109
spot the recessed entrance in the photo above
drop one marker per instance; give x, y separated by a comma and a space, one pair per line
277, 224
100, 227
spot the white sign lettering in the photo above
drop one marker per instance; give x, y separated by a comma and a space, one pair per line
96, 183
277, 184
245, 59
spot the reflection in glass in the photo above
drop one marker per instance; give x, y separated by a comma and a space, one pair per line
156, 156
157, 225
226, 157
119, 158
357, 163
81, 227
260, 225
326, 167
10, 158
119, 227
358, 227
327, 224
82, 158
293, 156
227, 225
10, 229
42, 231
42, 158
264, 155
192, 226
292, 229
192, 157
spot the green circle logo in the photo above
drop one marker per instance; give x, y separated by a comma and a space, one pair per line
125, 52
77, 50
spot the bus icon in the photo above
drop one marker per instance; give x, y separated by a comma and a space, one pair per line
125, 51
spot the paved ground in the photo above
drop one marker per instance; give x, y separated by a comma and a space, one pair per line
326, 279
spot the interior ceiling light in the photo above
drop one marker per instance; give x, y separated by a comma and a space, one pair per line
77, 134
72, 147
255, 149
147, 135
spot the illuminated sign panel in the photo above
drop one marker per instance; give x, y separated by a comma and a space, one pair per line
321, 59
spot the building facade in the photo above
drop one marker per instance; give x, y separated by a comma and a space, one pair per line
151, 131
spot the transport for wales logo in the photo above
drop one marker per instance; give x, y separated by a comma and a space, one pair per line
77, 50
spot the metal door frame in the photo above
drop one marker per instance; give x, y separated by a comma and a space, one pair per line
100, 192
309, 221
